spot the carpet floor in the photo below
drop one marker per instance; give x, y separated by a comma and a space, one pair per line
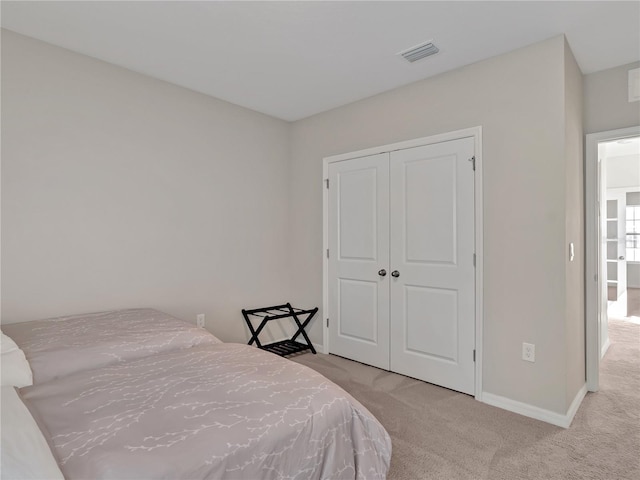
440, 434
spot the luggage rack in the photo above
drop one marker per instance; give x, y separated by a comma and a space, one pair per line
283, 347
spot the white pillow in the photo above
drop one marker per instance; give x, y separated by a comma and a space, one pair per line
25, 452
14, 368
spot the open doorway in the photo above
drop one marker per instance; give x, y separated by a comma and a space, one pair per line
621, 175
612, 191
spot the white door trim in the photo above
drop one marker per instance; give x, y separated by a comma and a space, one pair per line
476, 134
593, 279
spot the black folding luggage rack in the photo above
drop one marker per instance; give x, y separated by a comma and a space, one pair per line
283, 347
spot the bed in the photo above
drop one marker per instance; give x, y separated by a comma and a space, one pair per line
60, 346
207, 410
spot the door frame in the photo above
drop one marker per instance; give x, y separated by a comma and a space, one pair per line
593, 277
476, 134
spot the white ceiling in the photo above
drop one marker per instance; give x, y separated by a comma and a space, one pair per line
295, 59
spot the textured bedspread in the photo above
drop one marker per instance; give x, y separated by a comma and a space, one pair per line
56, 347
221, 411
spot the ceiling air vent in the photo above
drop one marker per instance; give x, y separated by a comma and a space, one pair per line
423, 50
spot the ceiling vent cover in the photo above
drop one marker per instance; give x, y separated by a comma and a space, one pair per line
418, 52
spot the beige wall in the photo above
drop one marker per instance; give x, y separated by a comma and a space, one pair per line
519, 100
574, 205
119, 190
606, 100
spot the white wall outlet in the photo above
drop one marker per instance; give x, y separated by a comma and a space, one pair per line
200, 320
529, 352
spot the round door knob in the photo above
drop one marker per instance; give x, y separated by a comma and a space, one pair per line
620, 257
382, 272
395, 273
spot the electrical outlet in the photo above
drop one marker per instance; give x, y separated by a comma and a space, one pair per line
200, 320
529, 352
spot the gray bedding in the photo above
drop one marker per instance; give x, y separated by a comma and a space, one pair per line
60, 346
216, 411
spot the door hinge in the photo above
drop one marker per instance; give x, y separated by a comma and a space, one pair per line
473, 162
474, 355
327, 323
474, 259
327, 253
326, 182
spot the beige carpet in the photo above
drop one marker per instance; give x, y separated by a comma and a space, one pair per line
440, 434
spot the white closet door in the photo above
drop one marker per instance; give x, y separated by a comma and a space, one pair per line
432, 248
359, 251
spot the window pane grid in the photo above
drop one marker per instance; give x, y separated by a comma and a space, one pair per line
632, 238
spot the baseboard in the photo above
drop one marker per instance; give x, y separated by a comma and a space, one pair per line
537, 413
605, 347
575, 405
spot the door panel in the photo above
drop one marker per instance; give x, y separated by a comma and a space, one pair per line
358, 303
432, 246
359, 248
358, 214
434, 336
616, 264
430, 210
622, 252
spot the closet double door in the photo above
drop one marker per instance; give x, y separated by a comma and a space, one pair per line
401, 269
